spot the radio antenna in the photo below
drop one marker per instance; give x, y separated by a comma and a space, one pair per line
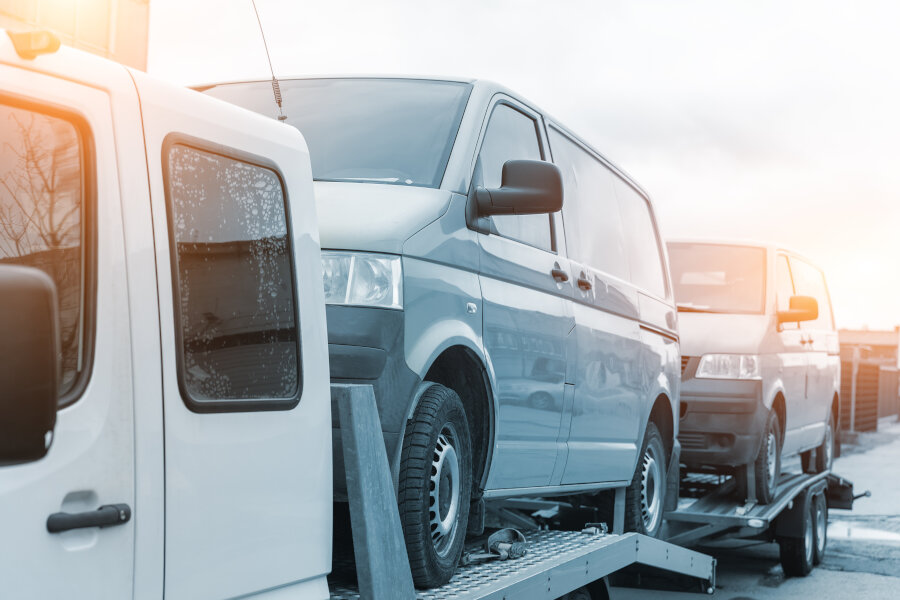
276, 89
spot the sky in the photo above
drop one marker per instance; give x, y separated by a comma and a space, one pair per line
775, 121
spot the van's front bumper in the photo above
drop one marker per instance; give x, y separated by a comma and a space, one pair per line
365, 346
722, 422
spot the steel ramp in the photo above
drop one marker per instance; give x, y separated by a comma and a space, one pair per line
559, 562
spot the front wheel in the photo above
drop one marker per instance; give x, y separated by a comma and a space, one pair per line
435, 486
767, 466
645, 497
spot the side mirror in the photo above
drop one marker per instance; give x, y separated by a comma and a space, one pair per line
528, 187
29, 363
802, 308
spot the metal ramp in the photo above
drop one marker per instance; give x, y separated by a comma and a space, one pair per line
557, 562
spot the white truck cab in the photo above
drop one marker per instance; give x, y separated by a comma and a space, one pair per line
159, 261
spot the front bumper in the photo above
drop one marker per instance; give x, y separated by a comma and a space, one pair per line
365, 346
722, 422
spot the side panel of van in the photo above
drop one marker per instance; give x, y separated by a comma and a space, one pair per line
246, 402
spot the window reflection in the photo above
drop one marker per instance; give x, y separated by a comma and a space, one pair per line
41, 215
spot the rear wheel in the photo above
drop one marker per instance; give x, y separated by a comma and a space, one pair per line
825, 452
645, 497
435, 486
820, 522
798, 554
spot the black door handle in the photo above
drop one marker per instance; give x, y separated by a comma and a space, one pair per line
559, 275
584, 284
105, 516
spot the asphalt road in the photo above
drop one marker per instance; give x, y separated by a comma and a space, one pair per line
863, 556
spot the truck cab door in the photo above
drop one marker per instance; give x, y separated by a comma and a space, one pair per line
247, 424
60, 212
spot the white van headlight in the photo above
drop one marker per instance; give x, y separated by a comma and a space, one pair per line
362, 279
728, 366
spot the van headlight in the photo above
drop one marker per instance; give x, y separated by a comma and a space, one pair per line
363, 279
728, 366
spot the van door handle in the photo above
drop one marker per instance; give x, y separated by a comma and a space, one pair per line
105, 516
559, 275
584, 284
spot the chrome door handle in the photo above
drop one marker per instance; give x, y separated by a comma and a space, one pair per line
105, 516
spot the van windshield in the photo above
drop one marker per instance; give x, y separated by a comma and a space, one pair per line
718, 278
394, 131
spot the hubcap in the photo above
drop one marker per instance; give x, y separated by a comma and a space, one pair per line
651, 490
771, 459
808, 542
821, 528
443, 501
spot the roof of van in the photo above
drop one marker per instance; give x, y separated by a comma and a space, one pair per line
769, 245
486, 85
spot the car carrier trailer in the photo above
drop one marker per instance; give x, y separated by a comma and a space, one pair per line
556, 562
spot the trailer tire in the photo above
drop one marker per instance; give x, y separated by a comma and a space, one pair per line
435, 486
644, 507
820, 523
797, 553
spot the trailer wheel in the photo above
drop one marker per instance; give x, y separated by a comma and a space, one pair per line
645, 497
820, 521
435, 486
797, 553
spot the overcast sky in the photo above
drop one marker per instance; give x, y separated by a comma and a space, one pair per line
763, 120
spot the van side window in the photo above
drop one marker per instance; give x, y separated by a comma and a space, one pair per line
42, 220
784, 288
512, 135
810, 282
590, 212
234, 286
641, 240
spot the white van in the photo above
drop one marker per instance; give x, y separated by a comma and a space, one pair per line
760, 360
175, 441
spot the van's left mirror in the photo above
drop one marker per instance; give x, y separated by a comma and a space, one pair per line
29, 363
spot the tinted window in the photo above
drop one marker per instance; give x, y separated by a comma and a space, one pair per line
232, 261
641, 241
42, 221
718, 278
590, 210
397, 131
512, 135
810, 282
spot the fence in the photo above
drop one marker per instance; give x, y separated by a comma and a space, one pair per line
876, 395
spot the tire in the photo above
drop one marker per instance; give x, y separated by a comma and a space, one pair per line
645, 496
825, 452
797, 554
767, 466
435, 486
820, 528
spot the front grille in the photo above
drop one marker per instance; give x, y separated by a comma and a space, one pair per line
692, 441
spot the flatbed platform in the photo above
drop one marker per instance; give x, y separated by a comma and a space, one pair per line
559, 562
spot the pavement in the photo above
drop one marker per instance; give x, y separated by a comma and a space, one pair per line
863, 556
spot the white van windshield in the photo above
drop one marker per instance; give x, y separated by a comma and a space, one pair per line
394, 131
718, 278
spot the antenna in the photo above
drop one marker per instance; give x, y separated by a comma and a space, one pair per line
276, 89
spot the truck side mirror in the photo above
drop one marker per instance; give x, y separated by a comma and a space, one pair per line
802, 308
528, 187
29, 363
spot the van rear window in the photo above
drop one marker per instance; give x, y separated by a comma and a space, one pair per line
234, 284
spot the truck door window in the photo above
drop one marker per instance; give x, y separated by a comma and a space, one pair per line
42, 220
784, 288
512, 135
810, 282
236, 315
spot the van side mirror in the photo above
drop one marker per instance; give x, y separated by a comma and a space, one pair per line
802, 308
29, 363
528, 187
